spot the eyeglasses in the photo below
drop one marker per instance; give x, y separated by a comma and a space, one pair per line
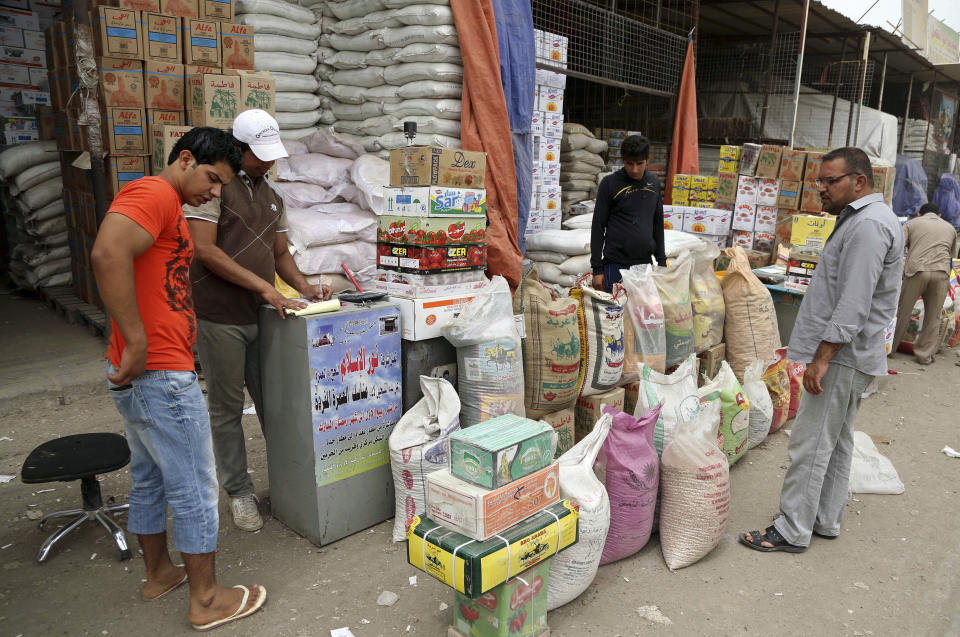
826, 182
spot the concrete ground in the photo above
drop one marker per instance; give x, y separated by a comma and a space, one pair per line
892, 572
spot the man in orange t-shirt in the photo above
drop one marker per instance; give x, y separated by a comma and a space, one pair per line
141, 259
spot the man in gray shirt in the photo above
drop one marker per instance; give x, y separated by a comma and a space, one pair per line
839, 335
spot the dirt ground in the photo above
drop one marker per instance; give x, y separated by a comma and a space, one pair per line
892, 572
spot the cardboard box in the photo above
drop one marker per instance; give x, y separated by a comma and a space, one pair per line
201, 69
431, 230
744, 216
549, 151
182, 8
435, 202
673, 217
810, 231
784, 225
258, 89
496, 452
164, 85
730, 152
550, 199
23, 57
710, 361
550, 174
120, 35
536, 122
550, 100
749, 158
789, 195
163, 38
811, 168
553, 126
766, 220
156, 120
481, 566
34, 40
15, 74
152, 6
768, 165
727, 186
516, 607
791, 164
127, 131
431, 260
706, 221
742, 238
764, 241
883, 178
11, 36
237, 42
767, 191
121, 170
437, 166
214, 100
588, 410
220, 10
421, 319
810, 199
19, 18
121, 82
201, 42
169, 136
562, 423
746, 190
412, 290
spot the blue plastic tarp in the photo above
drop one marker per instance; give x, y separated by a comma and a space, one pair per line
947, 197
518, 69
909, 187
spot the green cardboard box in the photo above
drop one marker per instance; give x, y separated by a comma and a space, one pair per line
494, 453
516, 608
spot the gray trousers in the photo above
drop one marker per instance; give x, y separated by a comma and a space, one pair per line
814, 492
230, 356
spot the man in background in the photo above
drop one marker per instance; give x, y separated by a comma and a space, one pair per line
931, 246
628, 217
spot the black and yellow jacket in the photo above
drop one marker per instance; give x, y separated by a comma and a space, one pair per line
627, 222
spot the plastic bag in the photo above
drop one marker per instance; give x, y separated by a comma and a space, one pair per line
630, 470
573, 570
694, 491
673, 284
645, 338
750, 328
601, 340
761, 405
795, 374
678, 394
489, 356
777, 381
871, 471
706, 298
734, 412
369, 173
418, 447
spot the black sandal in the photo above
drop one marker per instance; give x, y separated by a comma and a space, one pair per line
771, 536
815, 532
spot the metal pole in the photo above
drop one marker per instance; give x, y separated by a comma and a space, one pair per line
930, 116
773, 55
836, 91
796, 83
863, 80
883, 82
906, 114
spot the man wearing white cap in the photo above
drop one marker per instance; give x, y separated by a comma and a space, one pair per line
240, 244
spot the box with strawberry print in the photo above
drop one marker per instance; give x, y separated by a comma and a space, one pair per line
431, 231
516, 608
428, 259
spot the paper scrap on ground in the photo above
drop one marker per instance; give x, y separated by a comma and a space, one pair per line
6, 477
317, 308
950, 451
341, 632
387, 598
250, 411
653, 614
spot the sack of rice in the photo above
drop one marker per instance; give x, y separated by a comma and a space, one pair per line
630, 470
706, 297
694, 491
601, 340
572, 571
750, 327
678, 394
725, 389
761, 405
673, 284
644, 336
418, 447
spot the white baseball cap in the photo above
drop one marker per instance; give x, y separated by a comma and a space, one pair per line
261, 132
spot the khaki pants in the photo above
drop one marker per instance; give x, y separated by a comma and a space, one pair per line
932, 286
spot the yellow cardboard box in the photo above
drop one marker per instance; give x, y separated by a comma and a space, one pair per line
811, 231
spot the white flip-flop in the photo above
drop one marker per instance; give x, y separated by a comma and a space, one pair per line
261, 600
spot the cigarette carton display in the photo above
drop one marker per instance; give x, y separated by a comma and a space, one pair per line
496, 452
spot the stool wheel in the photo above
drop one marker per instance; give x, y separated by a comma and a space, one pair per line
125, 555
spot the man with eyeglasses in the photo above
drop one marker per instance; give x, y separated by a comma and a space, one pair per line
839, 335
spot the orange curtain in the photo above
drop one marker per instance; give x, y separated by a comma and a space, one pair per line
485, 126
684, 153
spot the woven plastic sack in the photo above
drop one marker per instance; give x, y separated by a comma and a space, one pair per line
329, 223
734, 429
40, 195
347, 9
400, 37
418, 447
629, 469
367, 78
551, 273
263, 23
422, 52
677, 393
297, 194
303, 82
284, 44
275, 61
601, 340
673, 284
871, 471
429, 89
489, 356
761, 405
357, 111
314, 168
645, 338
400, 74
570, 242
582, 155
445, 109
18, 158
346, 60
356, 255
706, 298
305, 119
275, 7
293, 102
694, 491
573, 569
750, 327
551, 350
35, 175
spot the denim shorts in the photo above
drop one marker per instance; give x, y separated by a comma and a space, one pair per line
171, 458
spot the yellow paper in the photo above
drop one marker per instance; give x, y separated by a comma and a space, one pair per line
318, 308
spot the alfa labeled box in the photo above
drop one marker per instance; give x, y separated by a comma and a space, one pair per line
501, 450
766, 219
214, 100
481, 513
437, 166
562, 423
201, 43
789, 195
746, 190
588, 410
516, 608
810, 199
122, 170
767, 191
421, 319
121, 82
237, 40
811, 168
169, 136
791, 164
163, 35
744, 216
164, 85
258, 89
435, 201
140, 5
431, 230
810, 231
120, 35
156, 120
182, 8
768, 165
127, 131
220, 10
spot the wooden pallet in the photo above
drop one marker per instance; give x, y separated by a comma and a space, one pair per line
64, 302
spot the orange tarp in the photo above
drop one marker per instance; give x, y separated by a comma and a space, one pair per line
684, 152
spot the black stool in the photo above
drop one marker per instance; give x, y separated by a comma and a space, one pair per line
80, 457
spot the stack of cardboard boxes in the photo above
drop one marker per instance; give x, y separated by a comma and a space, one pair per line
547, 129
24, 94
473, 514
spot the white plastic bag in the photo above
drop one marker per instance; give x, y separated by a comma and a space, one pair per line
761, 405
724, 388
706, 297
418, 447
677, 392
645, 339
369, 173
573, 570
871, 471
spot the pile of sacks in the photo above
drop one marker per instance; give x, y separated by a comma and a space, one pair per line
331, 189
560, 256
33, 197
285, 44
581, 161
383, 62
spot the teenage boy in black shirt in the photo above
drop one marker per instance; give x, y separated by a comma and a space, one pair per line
628, 217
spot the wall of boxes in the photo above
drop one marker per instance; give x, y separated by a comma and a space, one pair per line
163, 67
24, 89
547, 129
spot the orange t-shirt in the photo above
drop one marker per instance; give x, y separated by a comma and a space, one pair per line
162, 275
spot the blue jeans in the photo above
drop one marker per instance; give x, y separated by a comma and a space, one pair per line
171, 458
611, 275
